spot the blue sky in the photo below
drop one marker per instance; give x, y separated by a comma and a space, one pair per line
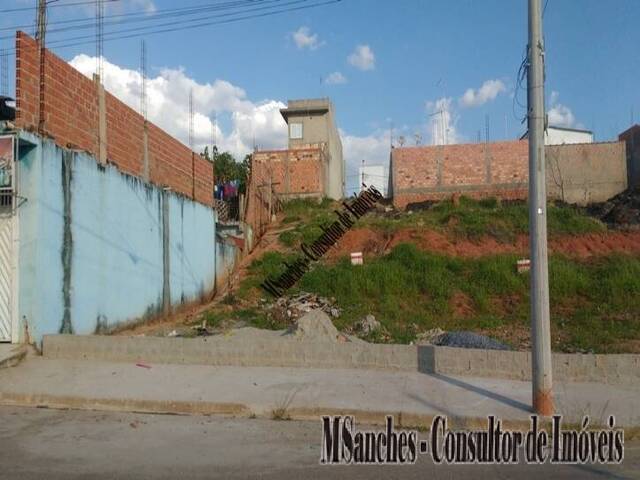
415, 57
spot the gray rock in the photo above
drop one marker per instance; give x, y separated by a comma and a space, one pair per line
469, 340
429, 337
317, 326
369, 324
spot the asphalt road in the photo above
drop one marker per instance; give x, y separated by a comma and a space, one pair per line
58, 444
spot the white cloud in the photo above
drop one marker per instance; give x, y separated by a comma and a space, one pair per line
560, 115
146, 5
487, 92
168, 107
335, 78
303, 38
442, 122
373, 149
363, 58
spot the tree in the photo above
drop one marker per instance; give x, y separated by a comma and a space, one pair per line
226, 168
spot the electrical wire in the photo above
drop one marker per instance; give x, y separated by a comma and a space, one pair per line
134, 17
72, 4
60, 44
181, 22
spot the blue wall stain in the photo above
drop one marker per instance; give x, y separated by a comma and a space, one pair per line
67, 240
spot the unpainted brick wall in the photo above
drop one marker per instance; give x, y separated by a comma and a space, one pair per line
71, 119
297, 172
591, 172
293, 173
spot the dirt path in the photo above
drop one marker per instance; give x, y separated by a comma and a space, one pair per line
373, 242
188, 314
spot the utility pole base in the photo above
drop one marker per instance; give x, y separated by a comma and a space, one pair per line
543, 403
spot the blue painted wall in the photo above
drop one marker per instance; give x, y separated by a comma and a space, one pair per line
111, 257
225, 259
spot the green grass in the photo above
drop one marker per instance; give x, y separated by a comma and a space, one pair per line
473, 219
466, 219
303, 207
594, 304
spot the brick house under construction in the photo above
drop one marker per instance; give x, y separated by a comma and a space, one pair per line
313, 165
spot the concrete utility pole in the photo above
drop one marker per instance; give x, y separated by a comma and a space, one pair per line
540, 330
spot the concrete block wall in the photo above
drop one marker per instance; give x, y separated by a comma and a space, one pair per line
586, 172
71, 119
581, 173
631, 137
611, 369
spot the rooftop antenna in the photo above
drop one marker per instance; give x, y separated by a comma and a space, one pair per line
486, 128
193, 158
390, 134
214, 133
442, 132
191, 119
143, 74
506, 127
99, 37
4, 72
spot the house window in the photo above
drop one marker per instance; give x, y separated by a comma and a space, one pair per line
295, 131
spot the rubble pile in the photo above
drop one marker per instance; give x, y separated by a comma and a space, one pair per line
290, 308
621, 210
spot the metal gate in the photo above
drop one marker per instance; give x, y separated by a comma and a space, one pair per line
6, 236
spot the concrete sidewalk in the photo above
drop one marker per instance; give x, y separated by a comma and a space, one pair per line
413, 397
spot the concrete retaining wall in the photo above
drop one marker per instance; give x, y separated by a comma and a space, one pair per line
517, 365
271, 349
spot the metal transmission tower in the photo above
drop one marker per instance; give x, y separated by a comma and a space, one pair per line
143, 111
4, 72
191, 119
41, 33
99, 38
540, 330
193, 158
143, 77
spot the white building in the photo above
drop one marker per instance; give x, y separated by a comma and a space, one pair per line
375, 175
564, 135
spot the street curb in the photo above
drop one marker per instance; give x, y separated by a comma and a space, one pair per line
123, 405
235, 410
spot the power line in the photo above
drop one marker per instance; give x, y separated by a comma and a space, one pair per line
143, 74
181, 22
4, 74
134, 17
99, 38
60, 43
73, 4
